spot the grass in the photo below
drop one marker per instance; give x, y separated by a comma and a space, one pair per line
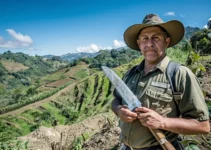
177, 55
20, 124
30, 114
53, 77
81, 74
51, 108
89, 89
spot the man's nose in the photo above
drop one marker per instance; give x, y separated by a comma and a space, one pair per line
150, 43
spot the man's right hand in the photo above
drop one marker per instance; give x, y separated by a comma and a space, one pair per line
125, 114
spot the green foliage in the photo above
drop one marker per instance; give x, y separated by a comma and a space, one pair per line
70, 114
209, 107
190, 31
53, 77
38, 67
18, 93
82, 74
14, 145
192, 147
28, 100
193, 62
113, 58
2, 89
190, 142
77, 143
177, 54
201, 42
48, 117
187, 47
31, 90
2, 71
56, 58
8, 132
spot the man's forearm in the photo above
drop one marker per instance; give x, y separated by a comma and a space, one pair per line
186, 126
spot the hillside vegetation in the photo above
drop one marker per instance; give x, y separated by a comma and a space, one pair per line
201, 42
20, 73
89, 96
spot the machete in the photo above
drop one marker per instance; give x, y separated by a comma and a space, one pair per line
133, 102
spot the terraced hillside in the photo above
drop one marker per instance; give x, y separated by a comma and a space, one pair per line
83, 98
88, 96
20, 74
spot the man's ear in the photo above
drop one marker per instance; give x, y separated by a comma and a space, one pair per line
168, 40
138, 42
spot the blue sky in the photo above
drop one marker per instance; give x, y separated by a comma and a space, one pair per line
69, 26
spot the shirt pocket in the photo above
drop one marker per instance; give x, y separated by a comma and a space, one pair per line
159, 99
158, 93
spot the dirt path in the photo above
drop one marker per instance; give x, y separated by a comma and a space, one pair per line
39, 103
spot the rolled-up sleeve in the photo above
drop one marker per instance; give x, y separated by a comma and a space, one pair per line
192, 105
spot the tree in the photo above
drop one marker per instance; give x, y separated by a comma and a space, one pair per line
2, 70
201, 42
17, 93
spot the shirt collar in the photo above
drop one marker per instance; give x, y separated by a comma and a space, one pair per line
162, 65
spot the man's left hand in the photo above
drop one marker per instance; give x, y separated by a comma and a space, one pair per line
150, 118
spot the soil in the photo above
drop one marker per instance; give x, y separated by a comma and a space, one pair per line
104, 132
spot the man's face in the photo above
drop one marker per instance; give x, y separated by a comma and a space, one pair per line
153, 42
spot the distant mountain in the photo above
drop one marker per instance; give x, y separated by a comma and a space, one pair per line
189, 31
209, 24
74, 56
48, 56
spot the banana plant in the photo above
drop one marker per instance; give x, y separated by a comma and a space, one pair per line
193, 62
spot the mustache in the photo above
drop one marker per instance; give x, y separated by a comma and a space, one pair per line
150, 49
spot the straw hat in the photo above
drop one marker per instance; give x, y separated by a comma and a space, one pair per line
174, 28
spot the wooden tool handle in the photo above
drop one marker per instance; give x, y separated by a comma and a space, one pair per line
159, 135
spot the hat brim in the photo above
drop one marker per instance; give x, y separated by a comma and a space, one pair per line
174, 28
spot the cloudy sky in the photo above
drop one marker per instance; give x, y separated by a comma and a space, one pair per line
69, 26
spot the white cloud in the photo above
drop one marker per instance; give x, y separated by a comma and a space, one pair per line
1, 40
7, 44
209, 19
93, 48
117, 44
169, 14
19, 40
205, 27
89, 49
20, 37
183, 16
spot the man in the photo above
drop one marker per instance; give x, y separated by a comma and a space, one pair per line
149, 83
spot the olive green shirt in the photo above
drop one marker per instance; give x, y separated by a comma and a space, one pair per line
158, 96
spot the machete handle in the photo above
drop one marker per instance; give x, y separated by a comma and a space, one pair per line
160, 136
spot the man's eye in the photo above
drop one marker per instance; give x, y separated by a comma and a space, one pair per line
156, 38
144, 39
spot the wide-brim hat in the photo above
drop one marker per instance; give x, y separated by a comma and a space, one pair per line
174, 29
